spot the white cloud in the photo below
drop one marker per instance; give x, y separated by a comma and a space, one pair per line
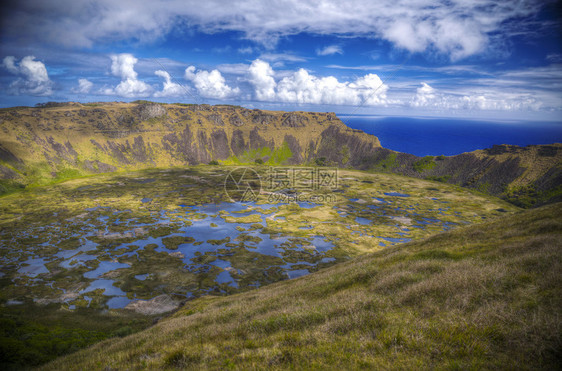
122, 65
260, 75
246, 50
279, 59
455, 28
302, 87
169, 89
474, 99
233, 68
329, 50
84, 86
10, 64
210, 84
34, 78
554, 57
425, 95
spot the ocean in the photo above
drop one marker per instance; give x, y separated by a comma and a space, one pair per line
444, 136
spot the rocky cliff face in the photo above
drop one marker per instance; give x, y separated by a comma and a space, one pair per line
526, 176
60, 141
53, 140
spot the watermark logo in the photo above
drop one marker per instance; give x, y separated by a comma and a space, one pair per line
242, 185
301, 178
283, 184
301, 184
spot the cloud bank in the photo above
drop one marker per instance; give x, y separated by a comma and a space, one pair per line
301, 87
454, 28
474, 99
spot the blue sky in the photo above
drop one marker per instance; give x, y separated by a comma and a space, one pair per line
451, 58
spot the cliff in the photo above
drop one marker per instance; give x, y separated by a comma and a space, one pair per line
526, 176
59, 141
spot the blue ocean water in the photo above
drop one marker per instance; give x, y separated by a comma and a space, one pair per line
440, 136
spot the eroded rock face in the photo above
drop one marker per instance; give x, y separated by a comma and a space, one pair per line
9, 158
238, 143
98, 167
263, 119
257, 141
235, 120
216, 119
7, 173
149, 111
220, 144
294, 120
343, 147
295, 149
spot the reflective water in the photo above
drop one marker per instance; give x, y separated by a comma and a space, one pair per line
212, 235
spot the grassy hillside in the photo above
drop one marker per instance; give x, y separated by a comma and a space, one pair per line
485, 296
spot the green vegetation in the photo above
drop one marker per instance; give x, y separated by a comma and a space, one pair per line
264, 155
426, 163
528, 196
280, 155
320, 161
344, 153
483, 187
67, 173
387, 164
34, 335
486, 296
10, 186
213, 162
442, 178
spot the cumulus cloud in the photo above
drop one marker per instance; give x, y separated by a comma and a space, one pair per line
425, 95
302, 87
170, 88
455, 28
122, 65
84, 86
329, 50
261, 76
210, 84
33, 80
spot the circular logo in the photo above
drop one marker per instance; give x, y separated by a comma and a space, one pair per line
242, 184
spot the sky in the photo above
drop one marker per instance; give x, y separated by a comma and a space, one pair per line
492, 59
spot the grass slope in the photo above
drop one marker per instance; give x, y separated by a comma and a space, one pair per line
485, 296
